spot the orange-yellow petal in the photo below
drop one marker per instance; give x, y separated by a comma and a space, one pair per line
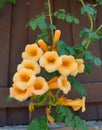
43, 45
50, 61
32, 51
80, 68
23, 78
56, 38
64, 84
49, 117
19, 94
29, 64
68, 65
40, 86
75, 104
52, 83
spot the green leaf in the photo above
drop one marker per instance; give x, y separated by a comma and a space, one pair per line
10, 99
44, 35
77, 86
41, 99
64, 49
99, 1
84, 42
69, 18
97, 61
39, 124
93, 59
91, 34
88, 69
77, 124
89, 9
76, 21
52, 27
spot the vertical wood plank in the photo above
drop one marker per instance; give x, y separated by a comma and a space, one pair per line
35, 8
5, 23
3, 116
90, 113
63, 25
17, 116
18, 39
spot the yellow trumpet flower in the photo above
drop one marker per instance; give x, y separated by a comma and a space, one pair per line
43, 45
68, 65
19, 94
29, 64
49, 117
52, 83
50, 61
40, 86
75, 104
32, 51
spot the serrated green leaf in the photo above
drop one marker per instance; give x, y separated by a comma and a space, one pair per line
88, 69
77, 124
88, 9
69, 18
99, 1
93, 59
77, 86
38, 124
64, 49
84, 42
91, 34
33, 24
61, 16
76, 21
10, 99
52, 27
42, 24
97, 61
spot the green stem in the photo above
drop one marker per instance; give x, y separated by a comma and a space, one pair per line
99, 27
91, 29
50, 16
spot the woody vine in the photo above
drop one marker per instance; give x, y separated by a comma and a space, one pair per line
61, 64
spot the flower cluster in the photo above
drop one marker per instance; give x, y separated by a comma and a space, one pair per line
28, 82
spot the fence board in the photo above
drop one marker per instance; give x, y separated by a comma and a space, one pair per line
14, 36
5, 25
63, 25
18, 32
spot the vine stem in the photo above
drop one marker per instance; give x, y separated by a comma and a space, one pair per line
50, 16
99, 27
91, 29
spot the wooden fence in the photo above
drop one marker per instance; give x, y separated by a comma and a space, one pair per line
14, 36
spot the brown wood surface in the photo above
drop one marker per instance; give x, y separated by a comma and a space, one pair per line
5, 26
14, 36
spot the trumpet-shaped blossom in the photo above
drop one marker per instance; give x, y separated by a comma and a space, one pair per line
50, 61
30, 64
63, 84
40, 86
32, 51
75, 104
68, 65
19, 94
23, 79
53, 83
80, 68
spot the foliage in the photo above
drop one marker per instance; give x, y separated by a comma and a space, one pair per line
65, 114
2, 2
77, 86
39, 124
